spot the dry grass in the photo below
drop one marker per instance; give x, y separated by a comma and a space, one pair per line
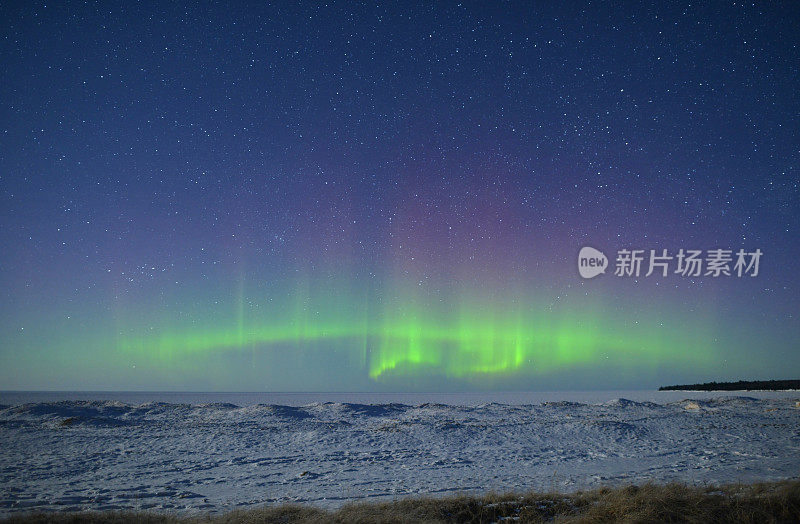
749, 503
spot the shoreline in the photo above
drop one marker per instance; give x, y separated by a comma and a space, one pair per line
777, 501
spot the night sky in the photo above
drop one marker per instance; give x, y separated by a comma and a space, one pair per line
362, 198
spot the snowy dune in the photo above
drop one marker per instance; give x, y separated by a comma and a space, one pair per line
111, 455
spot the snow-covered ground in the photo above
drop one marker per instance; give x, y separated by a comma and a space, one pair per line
111, 455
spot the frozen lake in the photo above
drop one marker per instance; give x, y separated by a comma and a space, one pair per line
192, 452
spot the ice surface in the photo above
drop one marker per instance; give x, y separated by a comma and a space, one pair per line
215, 456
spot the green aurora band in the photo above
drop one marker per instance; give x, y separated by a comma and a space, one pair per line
415, 337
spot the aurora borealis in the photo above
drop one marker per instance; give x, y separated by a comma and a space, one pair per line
308, 197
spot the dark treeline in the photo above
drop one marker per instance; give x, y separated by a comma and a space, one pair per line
771, 385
